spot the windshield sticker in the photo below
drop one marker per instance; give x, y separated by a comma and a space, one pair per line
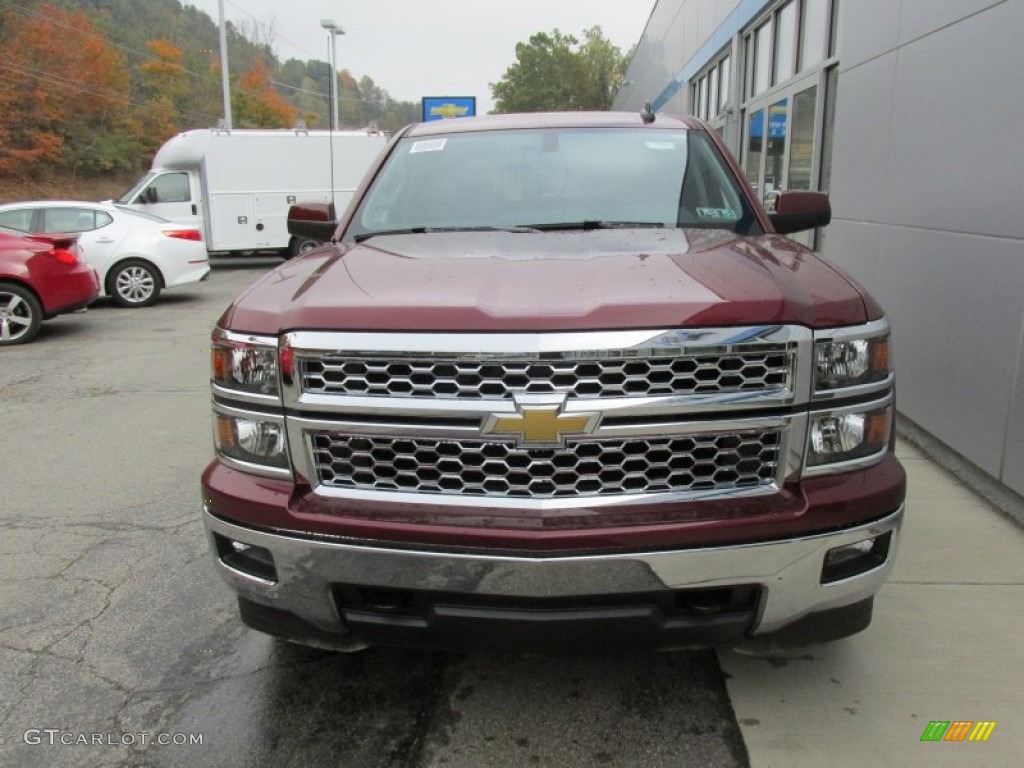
660, 144
428, 145
718, 214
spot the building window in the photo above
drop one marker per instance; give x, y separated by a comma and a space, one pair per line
831, 81
813, 32
801, 150
713, 104
723, 89
755, 134
709, 90
785, 42
762, 58
833, 32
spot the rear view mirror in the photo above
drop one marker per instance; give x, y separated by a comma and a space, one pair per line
149, 195
316, 221
795, 211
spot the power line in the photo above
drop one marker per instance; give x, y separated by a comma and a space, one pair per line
53, 78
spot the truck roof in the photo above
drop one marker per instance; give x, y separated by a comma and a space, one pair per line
551, 120
187, 149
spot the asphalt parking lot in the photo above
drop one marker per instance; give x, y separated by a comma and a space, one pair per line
116, 634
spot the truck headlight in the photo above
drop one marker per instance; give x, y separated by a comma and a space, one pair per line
250, 439
850, 362
848, 435
243, 364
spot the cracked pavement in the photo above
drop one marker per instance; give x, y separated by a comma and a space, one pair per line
113, 620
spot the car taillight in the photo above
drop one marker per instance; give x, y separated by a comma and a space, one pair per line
64, 256
185, 234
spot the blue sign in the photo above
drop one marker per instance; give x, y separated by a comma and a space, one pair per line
776, 121
447, 107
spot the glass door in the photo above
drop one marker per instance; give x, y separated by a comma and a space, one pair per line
780, 135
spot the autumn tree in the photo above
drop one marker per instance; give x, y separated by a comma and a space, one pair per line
255, 103
555, 72
64, 97
164, 85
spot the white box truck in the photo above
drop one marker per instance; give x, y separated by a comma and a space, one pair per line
236, 186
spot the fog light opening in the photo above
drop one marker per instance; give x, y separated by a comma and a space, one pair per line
248, 559
854, 559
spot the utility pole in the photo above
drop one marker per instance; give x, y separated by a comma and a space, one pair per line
333, 30
225, 82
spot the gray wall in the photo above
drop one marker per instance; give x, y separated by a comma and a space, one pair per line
927, 192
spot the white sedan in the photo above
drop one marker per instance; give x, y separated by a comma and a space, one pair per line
136, 255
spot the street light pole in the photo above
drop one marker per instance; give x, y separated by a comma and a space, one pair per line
225, 81
333, 30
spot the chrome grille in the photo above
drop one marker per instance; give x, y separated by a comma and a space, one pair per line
691, 463
634, 376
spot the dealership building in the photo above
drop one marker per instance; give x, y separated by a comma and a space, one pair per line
910, 114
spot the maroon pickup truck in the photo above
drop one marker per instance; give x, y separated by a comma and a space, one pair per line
556, 381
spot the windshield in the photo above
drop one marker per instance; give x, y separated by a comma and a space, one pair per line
553, 179
141, 184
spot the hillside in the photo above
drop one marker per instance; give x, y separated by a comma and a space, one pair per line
94, 87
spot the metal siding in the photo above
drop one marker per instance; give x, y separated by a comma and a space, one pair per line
925, 189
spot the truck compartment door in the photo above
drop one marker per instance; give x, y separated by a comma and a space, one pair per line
233, 222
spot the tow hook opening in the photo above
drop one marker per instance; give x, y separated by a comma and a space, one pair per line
854, 559
249, 559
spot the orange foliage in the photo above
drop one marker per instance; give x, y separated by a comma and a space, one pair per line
256, 103
58, 70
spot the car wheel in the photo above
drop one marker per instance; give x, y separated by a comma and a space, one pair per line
20, 314
302, 245
134, 283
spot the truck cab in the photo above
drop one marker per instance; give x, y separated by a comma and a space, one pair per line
174, 195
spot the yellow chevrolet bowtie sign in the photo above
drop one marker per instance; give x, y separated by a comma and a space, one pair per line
449, 110
542, 425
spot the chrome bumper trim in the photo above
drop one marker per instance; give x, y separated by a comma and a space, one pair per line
788, 571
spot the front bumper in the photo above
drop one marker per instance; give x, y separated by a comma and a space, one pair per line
343, 594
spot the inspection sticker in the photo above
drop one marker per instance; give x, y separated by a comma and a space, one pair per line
721, 214
660, 144
428, 145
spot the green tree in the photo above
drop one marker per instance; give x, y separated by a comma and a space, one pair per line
554, 72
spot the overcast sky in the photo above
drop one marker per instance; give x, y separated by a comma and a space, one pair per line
415, 48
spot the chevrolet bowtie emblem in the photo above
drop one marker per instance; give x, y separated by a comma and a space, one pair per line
449, 110
541, 425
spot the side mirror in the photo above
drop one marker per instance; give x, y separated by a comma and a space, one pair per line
149, 195
316, 221
796, 211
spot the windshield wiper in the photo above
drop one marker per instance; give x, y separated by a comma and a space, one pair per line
588, 224
363, 236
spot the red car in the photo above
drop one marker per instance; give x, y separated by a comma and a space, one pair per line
40, 276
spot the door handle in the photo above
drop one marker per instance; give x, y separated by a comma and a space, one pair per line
195, 210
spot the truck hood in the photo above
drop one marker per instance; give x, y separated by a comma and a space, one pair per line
547, 281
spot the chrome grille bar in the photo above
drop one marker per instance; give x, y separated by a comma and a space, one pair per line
641, 376
695, 463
